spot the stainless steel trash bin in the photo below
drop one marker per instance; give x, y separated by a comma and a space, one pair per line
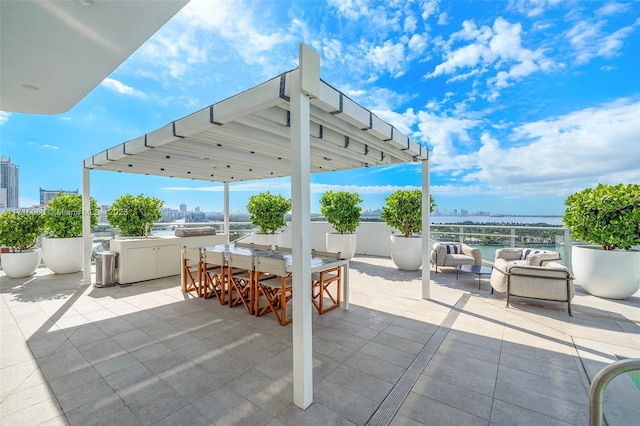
105, 269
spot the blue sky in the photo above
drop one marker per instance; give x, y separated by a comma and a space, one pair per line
520, 102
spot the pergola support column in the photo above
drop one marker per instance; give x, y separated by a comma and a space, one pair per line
226, 211
426, 232
301, 229
86, 226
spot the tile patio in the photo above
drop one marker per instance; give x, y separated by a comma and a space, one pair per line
149, 354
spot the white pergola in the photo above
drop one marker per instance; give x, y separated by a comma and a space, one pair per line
292, 125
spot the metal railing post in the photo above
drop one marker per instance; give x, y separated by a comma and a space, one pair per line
600, 382
567, 249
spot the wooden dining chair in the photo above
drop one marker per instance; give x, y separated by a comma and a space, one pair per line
326, 285
283, 249
276, 288
240, 276
191, 272
214, 278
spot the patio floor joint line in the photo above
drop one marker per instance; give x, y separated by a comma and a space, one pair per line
391, 404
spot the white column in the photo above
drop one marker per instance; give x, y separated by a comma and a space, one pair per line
426, 231
86, 226
301, 244
226, 210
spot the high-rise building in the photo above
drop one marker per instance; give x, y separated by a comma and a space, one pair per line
47, 194
9, 194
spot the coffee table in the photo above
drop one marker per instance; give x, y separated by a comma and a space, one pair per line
479, 270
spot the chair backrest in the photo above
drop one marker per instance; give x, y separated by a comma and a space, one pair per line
213, 258
191, 253
241, 261
271, 265
261, 246
330, 254
240, 244
283, 249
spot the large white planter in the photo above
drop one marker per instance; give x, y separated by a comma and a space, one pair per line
272, 240
20, 265
406, 253
63, 255
613, 274
343, 243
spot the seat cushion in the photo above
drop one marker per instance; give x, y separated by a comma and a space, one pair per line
458, 259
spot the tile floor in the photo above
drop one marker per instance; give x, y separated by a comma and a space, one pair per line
149, 354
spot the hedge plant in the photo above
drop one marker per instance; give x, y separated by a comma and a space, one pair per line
134, 216
341, 210
19, 230
63, 217
403, 211
607, 215
266, 211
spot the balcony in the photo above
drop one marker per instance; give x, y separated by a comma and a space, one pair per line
148, 353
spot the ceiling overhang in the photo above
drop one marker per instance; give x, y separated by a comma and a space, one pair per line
247, 137
52, 53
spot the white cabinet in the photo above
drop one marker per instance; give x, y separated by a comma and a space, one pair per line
141, 259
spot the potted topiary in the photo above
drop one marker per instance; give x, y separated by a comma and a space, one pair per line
266, 211
608, 217
342, 211
62, 247
403, 211
19, 231
134, 216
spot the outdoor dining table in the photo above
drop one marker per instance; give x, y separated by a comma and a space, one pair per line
318, 263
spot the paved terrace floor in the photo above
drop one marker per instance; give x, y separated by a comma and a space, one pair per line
149, 354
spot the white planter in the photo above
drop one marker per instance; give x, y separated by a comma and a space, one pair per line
613, 274
20, 265
63, 255
272, 240
406, 253
343, 243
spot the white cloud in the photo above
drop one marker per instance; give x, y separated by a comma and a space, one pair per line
47, 146
440, 132
559, 154
429, 8
589, 39
534, 8
612, 8
499, 47
120, 87
4, 117
443, 19
388, 57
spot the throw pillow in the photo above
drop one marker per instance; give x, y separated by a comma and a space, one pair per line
453, 248
528, 252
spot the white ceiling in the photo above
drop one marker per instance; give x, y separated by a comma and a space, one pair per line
247, 137
52, 53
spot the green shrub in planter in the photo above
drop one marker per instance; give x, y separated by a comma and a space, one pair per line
19, 230
266, 211
403, 211
134, 216
341, 210
607, 215
63, 217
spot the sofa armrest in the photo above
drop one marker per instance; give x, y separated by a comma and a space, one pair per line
509, 253
473, 252
438, 254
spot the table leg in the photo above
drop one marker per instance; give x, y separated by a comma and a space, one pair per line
345, 286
